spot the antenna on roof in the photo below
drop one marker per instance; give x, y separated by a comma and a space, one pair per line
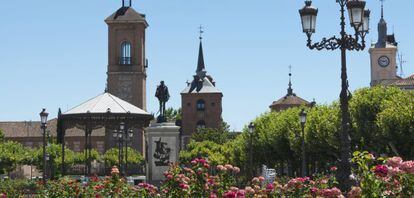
401, 63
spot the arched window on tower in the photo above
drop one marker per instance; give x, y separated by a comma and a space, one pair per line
125, 58
201, 105
201, 124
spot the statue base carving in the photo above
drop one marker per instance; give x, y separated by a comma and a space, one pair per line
163, 147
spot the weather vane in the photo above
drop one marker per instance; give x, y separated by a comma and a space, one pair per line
123, 3
382, 8
201, 31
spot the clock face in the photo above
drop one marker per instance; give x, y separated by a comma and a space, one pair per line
384, 61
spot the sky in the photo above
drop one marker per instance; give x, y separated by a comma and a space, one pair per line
54, 53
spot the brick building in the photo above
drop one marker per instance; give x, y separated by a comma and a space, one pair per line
201, 102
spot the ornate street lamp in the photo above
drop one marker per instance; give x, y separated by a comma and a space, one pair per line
359, 19
128, 137
308, 16
302, 119
118, 136
252, 129
43, 126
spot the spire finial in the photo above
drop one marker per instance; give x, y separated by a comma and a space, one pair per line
290, 90
382, 9
201, 31
200, 65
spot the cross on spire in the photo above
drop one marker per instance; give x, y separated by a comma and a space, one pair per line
290, 90
129, 4
201, 31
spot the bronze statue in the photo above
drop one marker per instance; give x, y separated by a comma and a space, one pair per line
163, 96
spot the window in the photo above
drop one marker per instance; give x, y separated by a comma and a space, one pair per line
201, 124
125, 53
201, 105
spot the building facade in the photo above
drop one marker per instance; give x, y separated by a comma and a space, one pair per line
201, 102
383, 56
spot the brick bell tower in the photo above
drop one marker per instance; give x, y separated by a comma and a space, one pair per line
201, 102
126, 55
127, 63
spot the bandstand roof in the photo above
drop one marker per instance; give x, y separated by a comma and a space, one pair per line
106, 103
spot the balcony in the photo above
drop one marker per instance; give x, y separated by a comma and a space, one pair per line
125, 61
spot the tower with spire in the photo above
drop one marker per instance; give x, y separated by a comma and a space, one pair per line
290, 99
383, 54
201, 100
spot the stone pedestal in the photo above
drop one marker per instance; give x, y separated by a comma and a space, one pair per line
163, 147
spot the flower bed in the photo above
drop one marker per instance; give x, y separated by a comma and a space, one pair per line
391, 177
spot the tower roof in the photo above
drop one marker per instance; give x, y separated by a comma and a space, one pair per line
383, 38
290, 99
202, 83
200, 64
126, 15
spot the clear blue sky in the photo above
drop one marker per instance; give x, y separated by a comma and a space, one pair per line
54, 53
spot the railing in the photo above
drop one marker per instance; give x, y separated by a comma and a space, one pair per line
125, 61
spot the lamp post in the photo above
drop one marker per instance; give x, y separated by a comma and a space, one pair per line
359, 20
251, 131
118, 135
43, 121
302, 119
128, 137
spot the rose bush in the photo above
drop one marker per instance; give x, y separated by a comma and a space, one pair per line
381, 177
375, 177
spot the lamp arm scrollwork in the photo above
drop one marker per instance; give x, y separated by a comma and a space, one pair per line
332, 43
348, 42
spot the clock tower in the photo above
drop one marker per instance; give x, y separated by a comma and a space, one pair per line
126, 55
383, 55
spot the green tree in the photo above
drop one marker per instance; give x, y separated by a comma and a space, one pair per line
111, 157
220, 135
173, 114
206, 149
1, 136
365, 106
396, 124
54, 151
12, 154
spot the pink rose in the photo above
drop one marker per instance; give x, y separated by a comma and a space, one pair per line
249, 190
229, 167
356, 192
408, 167
334, 168
331, 193
393, 170
261, 179
236, 170
394, 162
